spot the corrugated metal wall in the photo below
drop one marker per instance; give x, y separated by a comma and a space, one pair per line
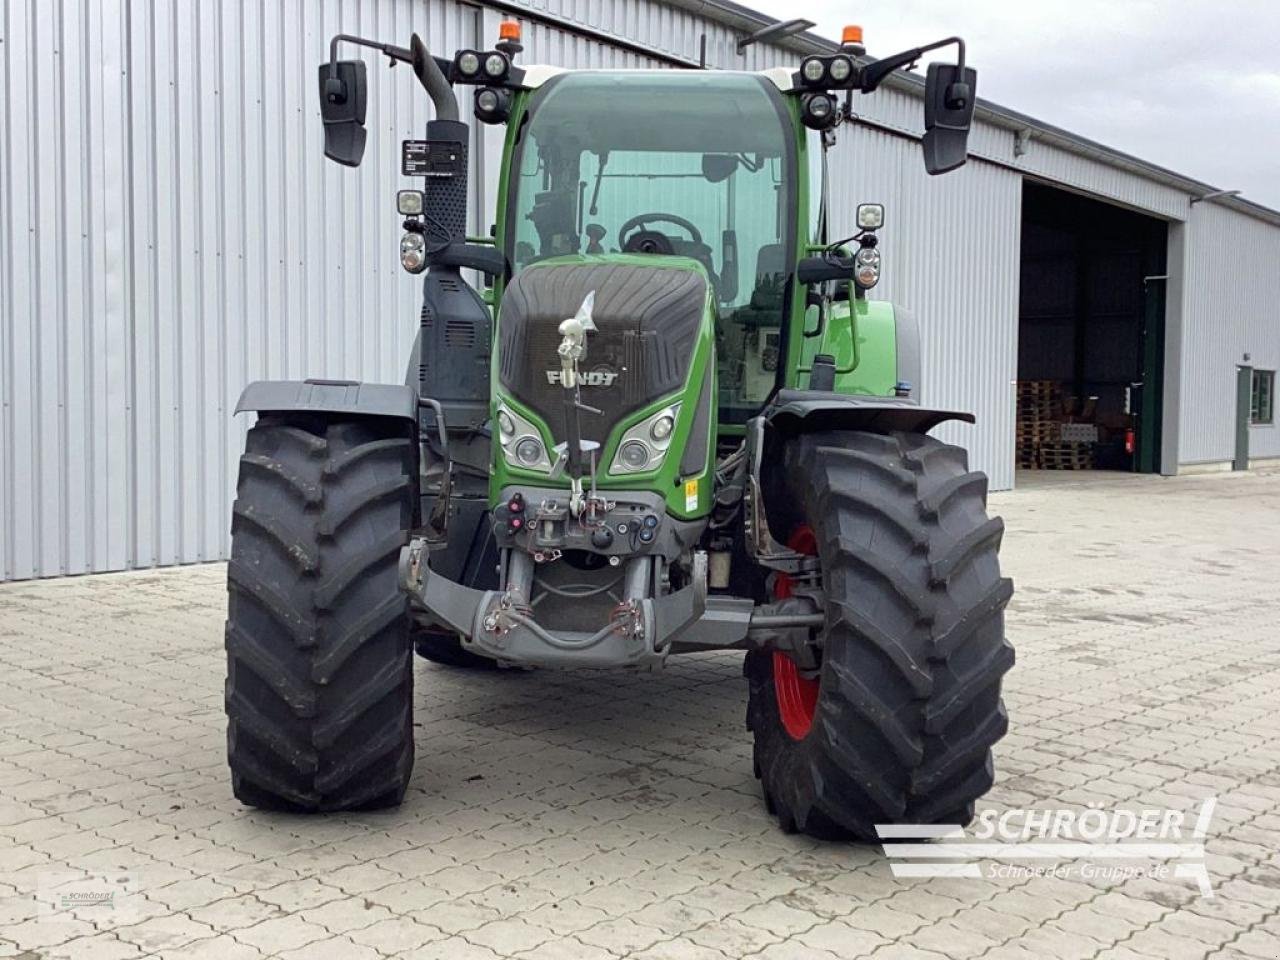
172, 231
950, 247
1233, 308
169, 230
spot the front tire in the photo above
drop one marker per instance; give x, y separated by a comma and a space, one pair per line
897, 725
319, 692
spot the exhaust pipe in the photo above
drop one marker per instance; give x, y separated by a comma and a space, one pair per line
433, 80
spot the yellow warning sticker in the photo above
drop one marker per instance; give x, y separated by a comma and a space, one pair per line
691, 495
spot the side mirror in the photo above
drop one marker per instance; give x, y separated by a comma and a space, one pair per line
949, 97
342, 103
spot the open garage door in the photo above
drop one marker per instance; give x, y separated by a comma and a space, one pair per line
1090, 334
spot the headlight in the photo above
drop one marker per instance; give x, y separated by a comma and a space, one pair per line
644, 446
468, 63
409, 202
520, 441
867, 276
634, 455
870, 216
841, 67
813, 69
529, 451
495, 65
869, 256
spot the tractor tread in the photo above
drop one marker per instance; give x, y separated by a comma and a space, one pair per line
965, 549
307, 490
936, 500
320, 667
339, 465
909, 702
388, 489
269, 667
288, 541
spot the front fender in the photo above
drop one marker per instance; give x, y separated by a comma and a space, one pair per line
805, 411
331, 396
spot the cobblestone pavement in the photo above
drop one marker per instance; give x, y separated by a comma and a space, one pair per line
576, 815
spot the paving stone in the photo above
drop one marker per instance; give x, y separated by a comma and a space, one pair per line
616, 813
102, 946
841, 939
223, 947
335, 948
396, 935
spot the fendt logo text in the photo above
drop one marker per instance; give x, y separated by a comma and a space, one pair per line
591, 378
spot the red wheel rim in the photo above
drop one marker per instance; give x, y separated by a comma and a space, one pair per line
796, 694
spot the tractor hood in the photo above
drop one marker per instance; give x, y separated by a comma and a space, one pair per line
649, 311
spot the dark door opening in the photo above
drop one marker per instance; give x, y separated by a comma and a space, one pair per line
1090, 334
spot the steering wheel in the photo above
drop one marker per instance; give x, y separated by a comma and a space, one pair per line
652, 241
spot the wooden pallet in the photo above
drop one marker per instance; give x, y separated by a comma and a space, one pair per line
1066, 456
1042, 431
1039, 386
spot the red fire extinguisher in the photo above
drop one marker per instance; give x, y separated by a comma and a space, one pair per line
1130, 444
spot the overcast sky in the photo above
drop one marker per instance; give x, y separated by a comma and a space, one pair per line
1192, 85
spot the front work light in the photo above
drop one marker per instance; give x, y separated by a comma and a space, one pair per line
492, 105
409, 203
870, 216
495, 66
841, 68
468, 63
818, 111
813, 70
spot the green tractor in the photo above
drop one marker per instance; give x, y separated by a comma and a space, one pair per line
653, 413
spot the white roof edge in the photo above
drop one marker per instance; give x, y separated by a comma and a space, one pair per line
537, 74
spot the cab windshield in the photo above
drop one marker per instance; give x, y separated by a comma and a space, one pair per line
669, 162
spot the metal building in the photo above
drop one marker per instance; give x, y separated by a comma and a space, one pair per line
169, 231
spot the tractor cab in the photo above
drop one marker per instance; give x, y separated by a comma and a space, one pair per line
602, 167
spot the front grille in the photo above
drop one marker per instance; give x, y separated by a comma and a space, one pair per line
647, 320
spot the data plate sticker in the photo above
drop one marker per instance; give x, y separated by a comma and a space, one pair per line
430, 158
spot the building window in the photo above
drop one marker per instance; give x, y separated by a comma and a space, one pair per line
1262, 402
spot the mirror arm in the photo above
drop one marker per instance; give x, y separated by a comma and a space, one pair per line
428, 69
874, 73
393, 52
